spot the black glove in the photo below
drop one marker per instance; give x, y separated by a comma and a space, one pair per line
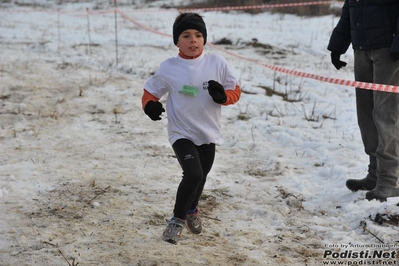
335, 60
395, 56
154, 110
217, 92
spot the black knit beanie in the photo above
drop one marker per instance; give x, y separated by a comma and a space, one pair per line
188, 21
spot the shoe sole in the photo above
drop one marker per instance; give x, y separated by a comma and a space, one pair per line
171, 241
355, 188
362, 189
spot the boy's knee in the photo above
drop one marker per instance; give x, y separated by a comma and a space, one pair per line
195, 177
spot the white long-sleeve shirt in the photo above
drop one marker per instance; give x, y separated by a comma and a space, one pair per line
193, 115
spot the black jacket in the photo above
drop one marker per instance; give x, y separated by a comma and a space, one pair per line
367, 24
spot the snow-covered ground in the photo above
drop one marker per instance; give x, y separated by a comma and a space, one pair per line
87, 178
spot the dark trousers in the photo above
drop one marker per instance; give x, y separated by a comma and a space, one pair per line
196, 162
378, 114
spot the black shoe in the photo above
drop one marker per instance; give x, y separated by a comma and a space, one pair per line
382, 193
367, 183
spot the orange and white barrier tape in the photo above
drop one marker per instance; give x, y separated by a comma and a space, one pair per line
247, 7
349, 83
226, 8
141, 25
232, 8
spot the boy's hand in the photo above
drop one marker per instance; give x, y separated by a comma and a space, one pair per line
217, 92
154, 110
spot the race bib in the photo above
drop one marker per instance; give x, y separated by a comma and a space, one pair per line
189, 90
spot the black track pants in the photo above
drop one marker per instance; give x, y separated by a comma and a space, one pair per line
196, 162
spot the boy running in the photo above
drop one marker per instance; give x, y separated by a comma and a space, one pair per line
197, 84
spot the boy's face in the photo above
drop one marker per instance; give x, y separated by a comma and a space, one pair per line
191, 42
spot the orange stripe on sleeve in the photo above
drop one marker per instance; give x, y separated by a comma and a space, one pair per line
233, 95
147, 97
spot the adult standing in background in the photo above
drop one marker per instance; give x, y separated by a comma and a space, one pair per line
372, 26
